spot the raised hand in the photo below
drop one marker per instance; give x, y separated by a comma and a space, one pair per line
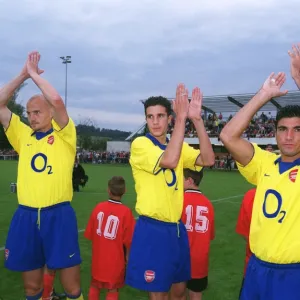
195, 105
295, 61
273, 84
31, 65
181, 102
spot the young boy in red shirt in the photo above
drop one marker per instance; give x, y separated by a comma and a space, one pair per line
110, 228
198, 217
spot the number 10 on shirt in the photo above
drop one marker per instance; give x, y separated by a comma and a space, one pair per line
201, 223
111, 226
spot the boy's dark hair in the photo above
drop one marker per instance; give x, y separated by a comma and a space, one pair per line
195, 175
159, 100
116, 186
288, 111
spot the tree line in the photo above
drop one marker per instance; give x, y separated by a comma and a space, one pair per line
88, 135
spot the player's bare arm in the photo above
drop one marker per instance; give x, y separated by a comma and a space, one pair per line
7, 91
231, 135
207, 156
60, 114
5, 94
172, 153
295, 63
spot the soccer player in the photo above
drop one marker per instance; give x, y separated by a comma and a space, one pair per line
43, 230
159, 255
198, 217
110, 228
244, 221
273, 270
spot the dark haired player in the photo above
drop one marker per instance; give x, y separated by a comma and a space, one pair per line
157, 166
273, 270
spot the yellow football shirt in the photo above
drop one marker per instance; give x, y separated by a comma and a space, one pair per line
159, 191
45, 165
275, 224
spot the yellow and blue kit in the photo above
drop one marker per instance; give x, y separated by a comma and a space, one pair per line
43, 229
273, 271
159, 255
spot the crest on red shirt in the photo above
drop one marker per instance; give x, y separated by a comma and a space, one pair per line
50, 139
149, 276
6, 254
293, 175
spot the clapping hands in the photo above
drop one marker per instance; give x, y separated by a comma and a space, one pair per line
185, 109
31, 66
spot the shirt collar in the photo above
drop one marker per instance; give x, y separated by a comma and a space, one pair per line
114, 201
193, 191
39, 135
284, 166
156, 142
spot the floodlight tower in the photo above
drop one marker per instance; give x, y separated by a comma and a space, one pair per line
66, 60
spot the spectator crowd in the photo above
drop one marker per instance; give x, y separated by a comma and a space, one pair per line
261, 126
102, 157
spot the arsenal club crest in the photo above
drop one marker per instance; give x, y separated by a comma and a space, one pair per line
293, 175
6, 253
50, 139
149, 276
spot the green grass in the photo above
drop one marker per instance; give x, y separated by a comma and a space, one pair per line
225, 189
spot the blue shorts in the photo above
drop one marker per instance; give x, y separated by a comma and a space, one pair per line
159, 256
46, 237
269, 281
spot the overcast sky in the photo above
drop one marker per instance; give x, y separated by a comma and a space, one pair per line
124, 51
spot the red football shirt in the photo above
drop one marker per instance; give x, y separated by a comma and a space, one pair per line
244, 221
110, 228
198, 217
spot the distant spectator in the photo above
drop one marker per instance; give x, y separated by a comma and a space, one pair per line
79, 176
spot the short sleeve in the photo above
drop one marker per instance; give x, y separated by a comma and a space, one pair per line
213, 229
241, 226
244, 218
68, 133
145, 155
190, 156
128, 229
252, 171
88, 233
16, 131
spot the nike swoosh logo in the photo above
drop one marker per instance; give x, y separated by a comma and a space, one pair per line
28, 144
267, 175
71, 255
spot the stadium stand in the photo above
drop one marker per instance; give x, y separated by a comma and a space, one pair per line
218, 109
